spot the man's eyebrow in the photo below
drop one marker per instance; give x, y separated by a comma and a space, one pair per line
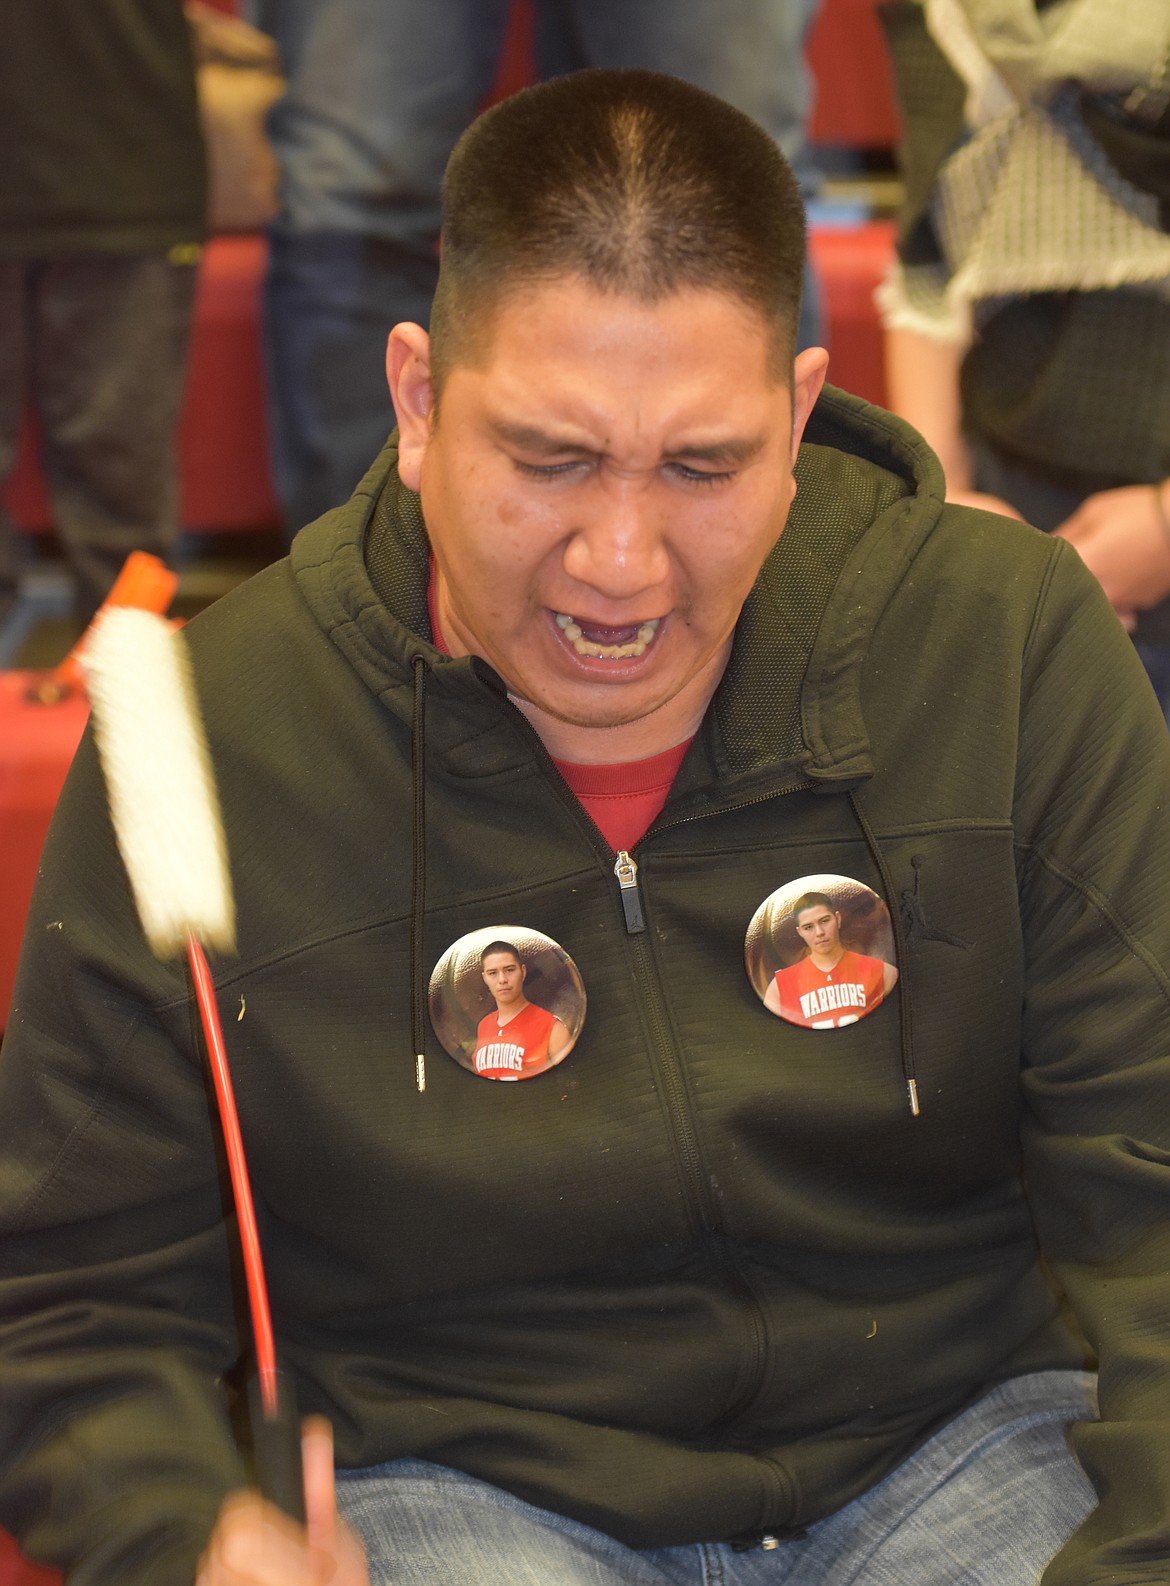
529, 439
728, 452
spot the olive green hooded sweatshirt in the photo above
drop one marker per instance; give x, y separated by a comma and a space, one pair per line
712, 1275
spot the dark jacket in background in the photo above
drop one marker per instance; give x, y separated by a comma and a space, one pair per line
98, 124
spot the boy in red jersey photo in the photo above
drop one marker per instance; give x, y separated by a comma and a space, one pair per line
832, 986
517, 1038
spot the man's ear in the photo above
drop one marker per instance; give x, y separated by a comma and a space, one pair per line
808, 376
408, 374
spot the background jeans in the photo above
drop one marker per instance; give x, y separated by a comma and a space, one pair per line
379, 92
99, 343
987, 1501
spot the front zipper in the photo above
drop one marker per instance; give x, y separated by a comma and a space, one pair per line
700, 1209
626, 871
702, 1212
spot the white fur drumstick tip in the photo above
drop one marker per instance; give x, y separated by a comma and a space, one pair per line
159, 780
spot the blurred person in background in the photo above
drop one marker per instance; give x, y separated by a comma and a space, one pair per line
379, 91
101, 221
1028, 316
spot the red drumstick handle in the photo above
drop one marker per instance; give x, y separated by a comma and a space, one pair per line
275, 1428
238, 1168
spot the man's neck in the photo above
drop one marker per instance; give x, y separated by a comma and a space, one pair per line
512, 1011
620, 745
825, 964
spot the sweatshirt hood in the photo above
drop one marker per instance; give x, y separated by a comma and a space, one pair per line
869, 491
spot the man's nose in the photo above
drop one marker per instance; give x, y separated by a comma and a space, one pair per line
617, 546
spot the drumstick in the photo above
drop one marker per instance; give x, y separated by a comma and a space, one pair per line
165, 812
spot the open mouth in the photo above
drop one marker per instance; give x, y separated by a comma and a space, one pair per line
606, 643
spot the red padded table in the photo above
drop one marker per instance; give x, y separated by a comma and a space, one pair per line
36, 746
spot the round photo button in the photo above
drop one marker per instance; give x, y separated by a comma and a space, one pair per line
506, 1002
820, 952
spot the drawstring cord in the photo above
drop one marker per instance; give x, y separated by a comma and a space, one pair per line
418, 877
905, 1022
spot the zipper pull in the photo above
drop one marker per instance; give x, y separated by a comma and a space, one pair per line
626, 870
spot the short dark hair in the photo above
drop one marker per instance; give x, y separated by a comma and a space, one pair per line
634, 181
499, 947
812, 900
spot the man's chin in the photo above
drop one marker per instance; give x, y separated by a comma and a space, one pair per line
624, 719
592, 715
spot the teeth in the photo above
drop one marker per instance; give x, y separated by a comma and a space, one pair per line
607, 652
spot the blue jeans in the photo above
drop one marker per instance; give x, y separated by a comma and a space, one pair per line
378, 94
987, 1501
